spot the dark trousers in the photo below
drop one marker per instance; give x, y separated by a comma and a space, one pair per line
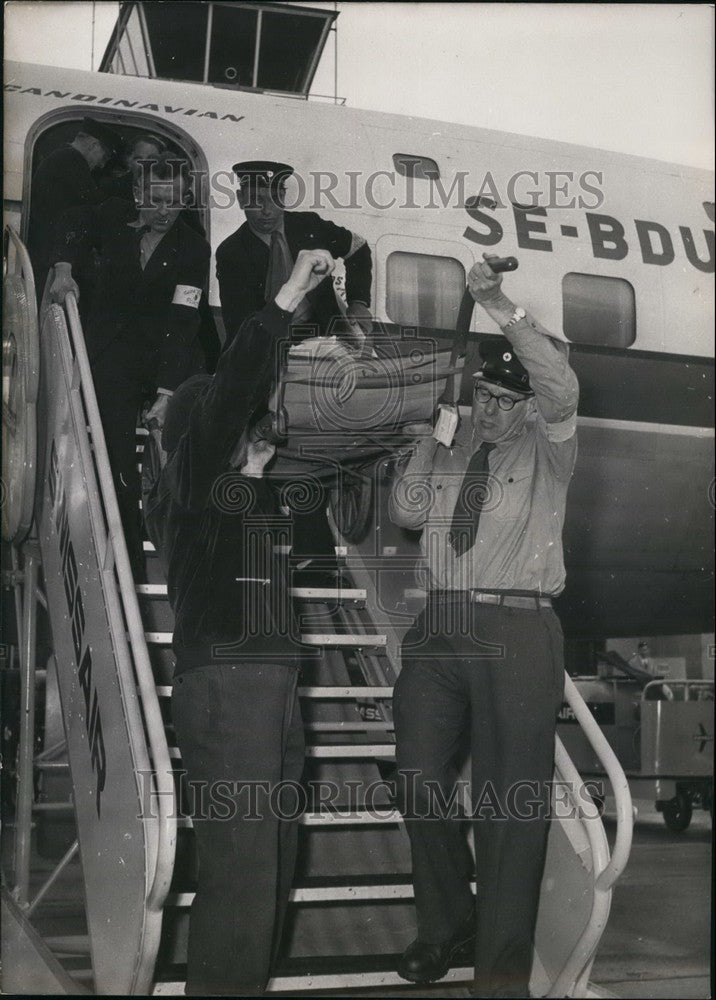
124, 379
489, 680
239, 722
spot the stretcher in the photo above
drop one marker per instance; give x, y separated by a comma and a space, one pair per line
340, 406
336, 413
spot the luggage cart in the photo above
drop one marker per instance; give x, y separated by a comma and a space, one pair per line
662, 732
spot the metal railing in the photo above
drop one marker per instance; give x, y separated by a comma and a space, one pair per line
685, 687
606, 870
143, 677
140, 706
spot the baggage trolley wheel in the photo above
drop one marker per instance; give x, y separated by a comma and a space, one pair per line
351, 506
677, 812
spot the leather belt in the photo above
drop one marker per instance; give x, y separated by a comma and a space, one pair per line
527, 601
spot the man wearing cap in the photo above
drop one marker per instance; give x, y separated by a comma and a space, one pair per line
254, 262
63, 181
214, 519
485, 657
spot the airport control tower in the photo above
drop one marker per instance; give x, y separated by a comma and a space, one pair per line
265, 47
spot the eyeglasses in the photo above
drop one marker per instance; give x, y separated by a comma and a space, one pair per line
484, 395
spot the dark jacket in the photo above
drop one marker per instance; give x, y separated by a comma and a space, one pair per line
62, 181
215, 529
132, 304
119, 186
122, 187
242, 262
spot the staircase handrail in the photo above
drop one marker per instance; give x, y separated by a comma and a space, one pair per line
144, 678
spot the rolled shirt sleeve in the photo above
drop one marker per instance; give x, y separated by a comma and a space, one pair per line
546, 358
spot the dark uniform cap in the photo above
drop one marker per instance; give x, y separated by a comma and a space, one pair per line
107, 136
501, 366
179, 408
267, 173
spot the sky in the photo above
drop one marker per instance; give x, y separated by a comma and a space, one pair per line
635, 78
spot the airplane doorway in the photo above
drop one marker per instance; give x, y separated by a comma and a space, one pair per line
61, 128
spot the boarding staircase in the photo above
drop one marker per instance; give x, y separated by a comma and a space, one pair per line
351, 906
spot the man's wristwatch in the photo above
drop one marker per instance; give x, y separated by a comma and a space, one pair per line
516, 316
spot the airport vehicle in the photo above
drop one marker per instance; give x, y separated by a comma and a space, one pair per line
661, 729
633, 254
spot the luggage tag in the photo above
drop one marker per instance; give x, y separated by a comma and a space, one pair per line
446, 425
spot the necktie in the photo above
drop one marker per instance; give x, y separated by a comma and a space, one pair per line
474, 491
279, 271
280, 265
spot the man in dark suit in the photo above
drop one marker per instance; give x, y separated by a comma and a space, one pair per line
62, 181
141, 331
146, 146
257, 259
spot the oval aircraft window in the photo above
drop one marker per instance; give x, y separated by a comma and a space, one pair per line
598, 310
421, 168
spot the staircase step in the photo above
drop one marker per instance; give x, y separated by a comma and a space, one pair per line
355, 594
304, 976
326, 639
341, 726
341, 817
334, 640
69, 944
317, 692
333, 894
355, 751
303, 593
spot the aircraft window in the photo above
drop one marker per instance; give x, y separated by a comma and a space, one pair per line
282, 67
421, 168
424, 290
233, 39
177, 32
598, 310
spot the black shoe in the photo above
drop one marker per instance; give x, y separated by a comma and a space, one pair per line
426, 963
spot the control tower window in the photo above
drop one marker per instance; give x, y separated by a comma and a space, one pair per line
598, 310
178, 38
281, 67
233, 37
261, 46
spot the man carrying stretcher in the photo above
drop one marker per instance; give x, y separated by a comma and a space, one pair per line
215, 522
485, 658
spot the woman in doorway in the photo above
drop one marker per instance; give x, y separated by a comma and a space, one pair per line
142, 327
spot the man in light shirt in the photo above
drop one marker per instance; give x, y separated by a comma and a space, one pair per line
484, 660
